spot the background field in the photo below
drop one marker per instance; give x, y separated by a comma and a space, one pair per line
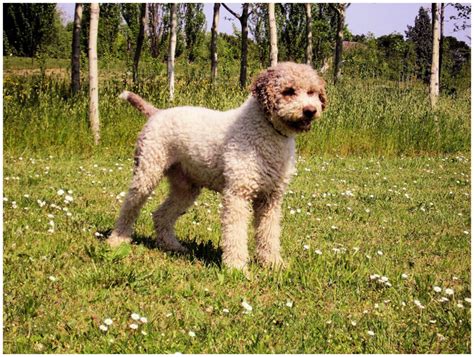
383, 187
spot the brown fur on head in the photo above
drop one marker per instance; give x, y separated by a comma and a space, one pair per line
292, 95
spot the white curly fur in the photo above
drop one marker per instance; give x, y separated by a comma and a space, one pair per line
246, 154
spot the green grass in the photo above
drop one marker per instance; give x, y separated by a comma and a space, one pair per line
383, 187
370, 117
415, 211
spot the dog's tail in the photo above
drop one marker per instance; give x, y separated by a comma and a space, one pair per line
138, 102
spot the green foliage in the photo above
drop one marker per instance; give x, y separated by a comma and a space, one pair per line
194, 29
390, 118
421, 35
259, 29
29, 27
324, 32
456, 65
109, 25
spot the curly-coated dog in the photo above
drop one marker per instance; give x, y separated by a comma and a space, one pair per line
246, 154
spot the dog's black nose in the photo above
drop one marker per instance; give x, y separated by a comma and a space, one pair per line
309, 111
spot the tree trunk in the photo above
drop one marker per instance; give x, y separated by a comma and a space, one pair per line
93, 73
172, 49
434, 77
154, 16
138, 49
441, 41
340, 9
76, 51
244, 41
215, 22
309, 35
244, 45
273, 35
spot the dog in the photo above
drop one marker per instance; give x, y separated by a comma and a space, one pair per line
247, 154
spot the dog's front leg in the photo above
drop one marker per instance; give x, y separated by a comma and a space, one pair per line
267, 212
235, 216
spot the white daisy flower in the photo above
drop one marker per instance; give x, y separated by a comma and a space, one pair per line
192, 333
247, 306
108, 321
103, 328
449, 291
418, 303
135, 316
133, 326
371, 333
437, 289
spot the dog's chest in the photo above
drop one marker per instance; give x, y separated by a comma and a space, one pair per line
276, 167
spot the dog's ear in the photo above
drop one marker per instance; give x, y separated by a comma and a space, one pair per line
322, 94
263, 89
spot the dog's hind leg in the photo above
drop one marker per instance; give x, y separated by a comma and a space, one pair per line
182, 195
146, 176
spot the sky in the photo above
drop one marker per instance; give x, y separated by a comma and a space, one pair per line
361, 18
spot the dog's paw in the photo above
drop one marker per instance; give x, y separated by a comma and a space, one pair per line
272, 262
115, 240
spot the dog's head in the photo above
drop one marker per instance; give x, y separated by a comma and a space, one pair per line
292, 95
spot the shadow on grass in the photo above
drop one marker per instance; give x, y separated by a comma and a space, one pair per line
204, 251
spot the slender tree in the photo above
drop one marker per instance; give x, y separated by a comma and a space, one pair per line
172, 49
140, 38
76, 51
341, 14
93, 73
434, 77
215, 22
273, 35
441, 40
243, 19
155, 16
309, 35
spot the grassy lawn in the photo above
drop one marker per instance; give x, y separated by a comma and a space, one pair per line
346, 219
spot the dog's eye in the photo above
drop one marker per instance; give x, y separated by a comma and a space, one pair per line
288, 92
311, 93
